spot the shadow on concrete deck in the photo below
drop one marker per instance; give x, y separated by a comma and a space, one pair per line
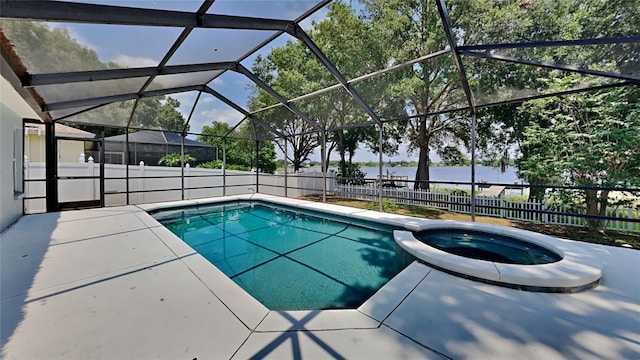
22, 250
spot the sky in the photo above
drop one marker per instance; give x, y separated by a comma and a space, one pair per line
202, 45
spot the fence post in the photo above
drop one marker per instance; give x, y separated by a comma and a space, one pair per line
629, 223
545, 216
26, 185
185, 188
141, 180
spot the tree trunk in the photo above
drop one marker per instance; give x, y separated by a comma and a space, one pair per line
329, 150
536, 193
341, 147
596, 205
422, 173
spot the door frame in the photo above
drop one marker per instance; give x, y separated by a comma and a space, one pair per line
84, 204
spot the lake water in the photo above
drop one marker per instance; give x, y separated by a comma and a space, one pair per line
450, 173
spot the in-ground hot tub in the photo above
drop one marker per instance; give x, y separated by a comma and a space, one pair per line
503, 256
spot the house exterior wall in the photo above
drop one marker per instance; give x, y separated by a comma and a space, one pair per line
34, 147
69, 151
12, 110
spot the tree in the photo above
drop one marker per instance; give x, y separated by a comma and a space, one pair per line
293, 70
409, 30
504, 127
452, 156
236, 153
214, 133
174, 159
286, 69
241, 146
586, 140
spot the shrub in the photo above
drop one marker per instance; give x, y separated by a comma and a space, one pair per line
349, 174
214, 164
173, 159
460, 192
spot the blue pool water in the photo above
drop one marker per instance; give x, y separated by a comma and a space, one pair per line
489, 247
288, 259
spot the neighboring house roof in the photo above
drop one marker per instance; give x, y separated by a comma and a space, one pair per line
156, 137
61, 130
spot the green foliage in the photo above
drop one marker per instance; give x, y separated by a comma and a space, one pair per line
293, 70
240, 150
173, 159
49, 49
349, 174
267, 157
460, 192
452, 156
388, 205
214, 164
238, 167
159, 111
589, 140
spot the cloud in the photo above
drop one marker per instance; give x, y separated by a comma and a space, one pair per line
186, 102
217, 81
134, 61
206, 117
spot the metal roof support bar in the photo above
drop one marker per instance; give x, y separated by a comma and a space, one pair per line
114, 98
79, 112
308, 13
556, 66
112, 74
243, 70
224, 166
380, 159
361, 78
325, 166
176, 44
538, 44
557, 93
300, 34
446, 24
234, 129
238, 108
193, 108
120, 15
516, 101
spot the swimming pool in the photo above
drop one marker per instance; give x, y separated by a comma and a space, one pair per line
502, 256
291, 259
487, 246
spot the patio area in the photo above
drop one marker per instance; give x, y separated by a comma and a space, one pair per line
114, 283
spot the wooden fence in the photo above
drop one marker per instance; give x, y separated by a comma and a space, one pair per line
500, 206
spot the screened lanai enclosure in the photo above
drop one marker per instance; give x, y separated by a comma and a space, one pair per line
553, 85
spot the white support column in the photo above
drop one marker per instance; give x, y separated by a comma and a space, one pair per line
141, 180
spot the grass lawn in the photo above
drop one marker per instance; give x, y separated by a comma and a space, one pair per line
568, 232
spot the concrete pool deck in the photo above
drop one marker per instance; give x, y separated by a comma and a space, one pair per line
114, 283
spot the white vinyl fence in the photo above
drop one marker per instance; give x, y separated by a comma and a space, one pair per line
149, 184
489, 206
